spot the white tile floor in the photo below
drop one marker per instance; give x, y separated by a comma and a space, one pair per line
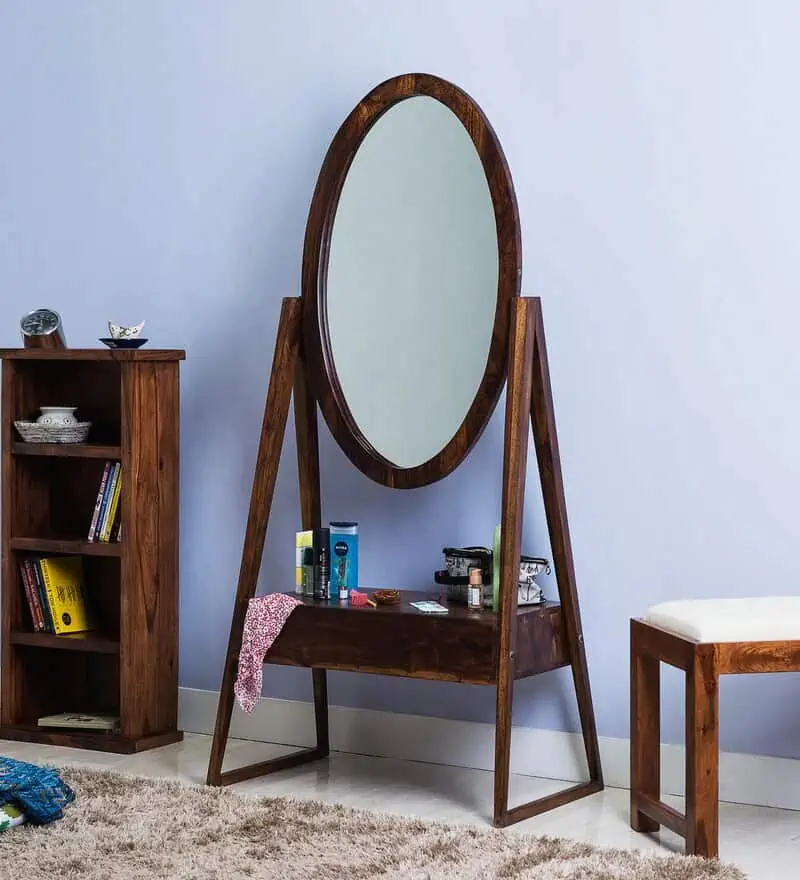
765, 843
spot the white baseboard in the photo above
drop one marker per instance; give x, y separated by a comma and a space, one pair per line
747, 779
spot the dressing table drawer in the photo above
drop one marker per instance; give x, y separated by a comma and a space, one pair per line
398, 640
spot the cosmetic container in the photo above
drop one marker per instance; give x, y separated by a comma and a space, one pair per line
343, 559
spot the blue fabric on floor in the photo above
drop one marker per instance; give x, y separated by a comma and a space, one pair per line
40, 793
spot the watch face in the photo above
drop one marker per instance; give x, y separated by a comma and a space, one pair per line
40, 322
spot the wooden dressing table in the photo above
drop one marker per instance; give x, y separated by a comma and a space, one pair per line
486, 647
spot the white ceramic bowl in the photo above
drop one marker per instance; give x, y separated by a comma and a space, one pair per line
57, 415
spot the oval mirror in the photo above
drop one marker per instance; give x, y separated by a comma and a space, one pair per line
411, 259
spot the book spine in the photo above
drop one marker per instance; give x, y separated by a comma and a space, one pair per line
106, 500
37, 603
115, 500
111, 514
49, 591
29, 596
46, 611
37, 597
99, 501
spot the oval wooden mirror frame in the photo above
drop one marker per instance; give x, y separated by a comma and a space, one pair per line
316, 342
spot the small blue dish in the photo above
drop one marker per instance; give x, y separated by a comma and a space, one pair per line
124, 343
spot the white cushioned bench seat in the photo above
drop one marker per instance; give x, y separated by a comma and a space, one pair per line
761, 619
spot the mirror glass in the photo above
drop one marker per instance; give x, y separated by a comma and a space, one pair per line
412, 281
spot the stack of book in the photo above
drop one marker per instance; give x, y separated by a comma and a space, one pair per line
56, 594
106, 525
81, 721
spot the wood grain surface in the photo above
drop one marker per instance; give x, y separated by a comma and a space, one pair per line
515, 457
702, 754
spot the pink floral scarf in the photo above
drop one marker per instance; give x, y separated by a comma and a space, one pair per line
266, 616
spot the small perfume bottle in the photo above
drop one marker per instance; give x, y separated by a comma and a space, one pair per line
341, 568
475, 589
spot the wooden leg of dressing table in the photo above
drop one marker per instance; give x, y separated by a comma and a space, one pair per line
529, 391
543, 422
273, 427
515, 455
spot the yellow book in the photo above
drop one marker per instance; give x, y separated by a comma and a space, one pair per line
64, 587
112, 508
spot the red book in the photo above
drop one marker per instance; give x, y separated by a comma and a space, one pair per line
28, 596
32, 593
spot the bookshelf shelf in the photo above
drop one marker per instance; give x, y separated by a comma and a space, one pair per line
89, 641
68, 450
57, 545
128, 666
103, 741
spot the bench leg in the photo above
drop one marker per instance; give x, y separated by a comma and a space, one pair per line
702, 754
645, 732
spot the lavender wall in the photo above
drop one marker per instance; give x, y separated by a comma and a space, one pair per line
157, 160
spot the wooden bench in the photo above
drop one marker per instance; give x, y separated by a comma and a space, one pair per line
706, 638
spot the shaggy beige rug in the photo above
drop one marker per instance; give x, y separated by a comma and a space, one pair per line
127, 828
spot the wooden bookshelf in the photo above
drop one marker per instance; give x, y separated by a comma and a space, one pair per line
128, 665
